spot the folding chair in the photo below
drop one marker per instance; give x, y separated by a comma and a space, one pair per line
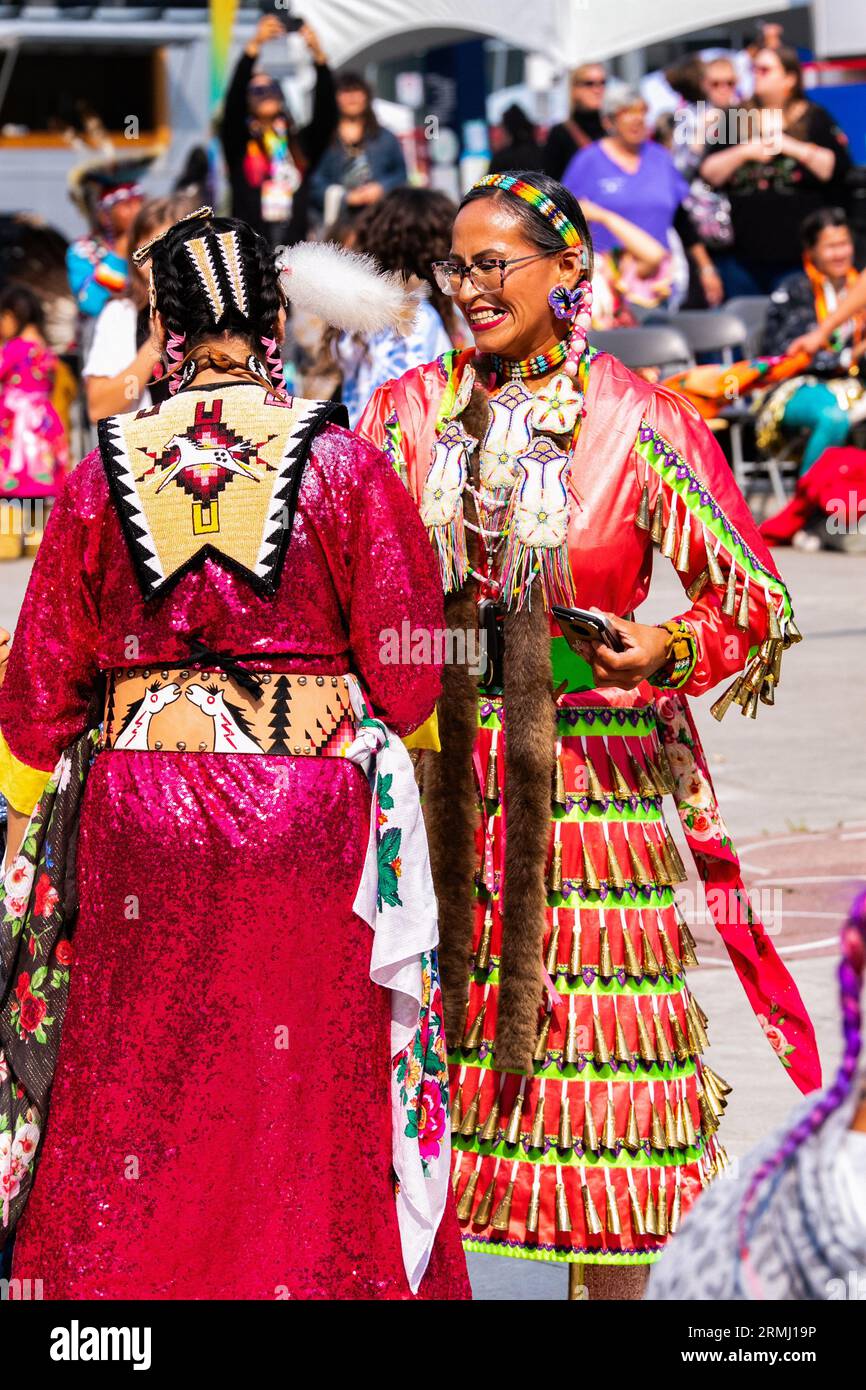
656, 345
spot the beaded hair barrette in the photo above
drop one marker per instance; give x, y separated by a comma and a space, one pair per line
142, 253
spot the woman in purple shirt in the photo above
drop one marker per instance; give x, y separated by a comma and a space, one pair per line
628, 173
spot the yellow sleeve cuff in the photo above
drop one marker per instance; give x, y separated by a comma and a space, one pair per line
21, 785
426, 735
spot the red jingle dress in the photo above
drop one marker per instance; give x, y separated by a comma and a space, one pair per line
596, 1153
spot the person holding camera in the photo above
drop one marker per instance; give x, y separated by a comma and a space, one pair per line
271, 159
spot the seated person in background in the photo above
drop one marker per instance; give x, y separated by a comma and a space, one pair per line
119, 368
820, 402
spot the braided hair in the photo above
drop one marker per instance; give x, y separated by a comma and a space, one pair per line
213, 277
852, 968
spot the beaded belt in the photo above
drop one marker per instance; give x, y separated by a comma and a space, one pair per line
198, 708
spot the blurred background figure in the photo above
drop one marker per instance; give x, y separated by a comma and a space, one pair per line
820, 402
124, 354
33, 450
363, 161
630, 174
97, 264
406, 231
34, 254
270, 160
786, 160
522, 150
584, 124
792, 1223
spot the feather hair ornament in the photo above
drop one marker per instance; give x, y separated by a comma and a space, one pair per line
349, 291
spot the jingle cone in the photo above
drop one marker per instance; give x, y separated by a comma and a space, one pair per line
688, 953
605, 959
551, 962
536, 1139
491, 781
485, 1206
565, 1137
698, 583
591, 881
649, 1218
676, 857
663, 1051
657, 1133
590, 1133
621, 789
729, 602
602, 1056
512, 1133
608, 1136
533, 1212
672, 965
681, 1046
473, 1036
591, 1216
659, 872
457, 1111
742, 618
658, 520
574, 953
541, 1045
642, 778
662, 1227
637, 1221
615, 876
632, 964
650, 960
491, 1124
612, 1221
464, 1206
681, 563
638, 873
502, 1215
714, 568
594, 789
642, 519
482, 955
572, 1051
679, 1126
559, 792
670, 1127
554, 881
689, 1124
563, 1215
645, 1047
632, 1133
621, 1049
470, 1118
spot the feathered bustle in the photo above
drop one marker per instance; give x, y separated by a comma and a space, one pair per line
347, 290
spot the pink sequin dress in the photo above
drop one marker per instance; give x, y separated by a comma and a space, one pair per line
33, 452
220, 1123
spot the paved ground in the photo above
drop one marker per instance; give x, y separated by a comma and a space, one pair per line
790, 785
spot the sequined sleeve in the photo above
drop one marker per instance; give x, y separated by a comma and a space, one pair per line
52, 675
386, 570
693, 507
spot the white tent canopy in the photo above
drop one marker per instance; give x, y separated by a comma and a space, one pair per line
565, 31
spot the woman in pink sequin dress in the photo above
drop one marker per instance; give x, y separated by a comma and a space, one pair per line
220, 1121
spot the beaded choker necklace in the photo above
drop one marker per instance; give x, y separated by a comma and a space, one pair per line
526, 368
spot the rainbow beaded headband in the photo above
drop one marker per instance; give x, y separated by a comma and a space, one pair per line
509, 183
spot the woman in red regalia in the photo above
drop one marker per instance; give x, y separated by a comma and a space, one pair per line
238, 1045
584, 1117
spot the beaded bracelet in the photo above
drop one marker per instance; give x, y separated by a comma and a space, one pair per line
681, 658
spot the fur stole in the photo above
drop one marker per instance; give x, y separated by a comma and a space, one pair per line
452, 811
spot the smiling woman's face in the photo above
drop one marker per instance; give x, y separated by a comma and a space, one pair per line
515, 321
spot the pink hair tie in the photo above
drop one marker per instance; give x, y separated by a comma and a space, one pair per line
174, 352
275, 363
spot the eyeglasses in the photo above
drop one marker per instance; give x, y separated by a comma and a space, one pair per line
590, 82
486, 274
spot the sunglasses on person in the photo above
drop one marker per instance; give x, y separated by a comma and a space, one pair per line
488, 273
590, 82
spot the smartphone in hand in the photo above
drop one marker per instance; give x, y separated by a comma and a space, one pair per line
582, 625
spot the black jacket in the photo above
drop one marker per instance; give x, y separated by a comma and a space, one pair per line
307, 146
